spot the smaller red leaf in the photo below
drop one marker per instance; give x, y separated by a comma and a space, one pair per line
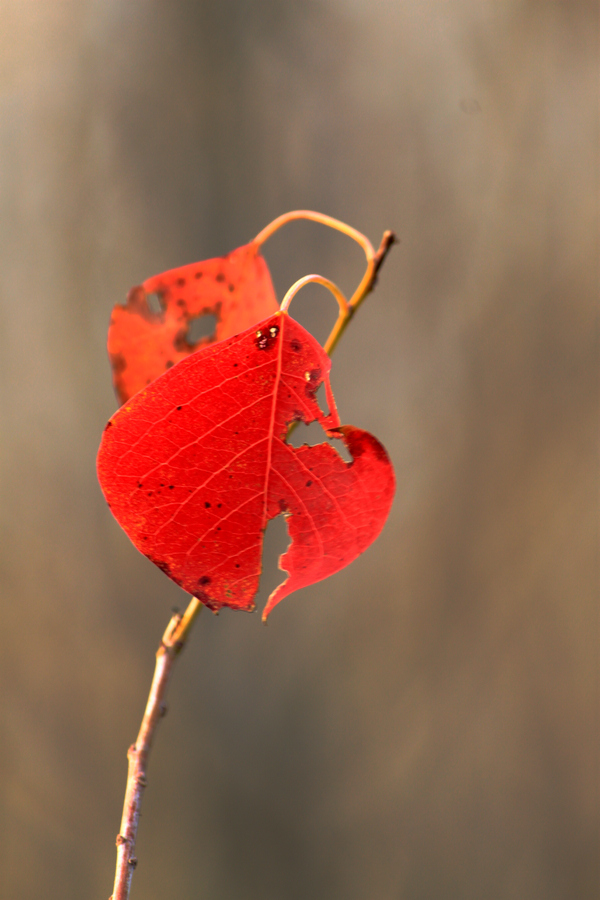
195, 466
143, 344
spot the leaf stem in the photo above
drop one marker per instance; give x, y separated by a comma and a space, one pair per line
312, 216
368, 281
317, 279
171, 645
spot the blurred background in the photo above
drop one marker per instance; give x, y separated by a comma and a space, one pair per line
424, 724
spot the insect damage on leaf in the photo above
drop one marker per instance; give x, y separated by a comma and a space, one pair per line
143, 343
195, 465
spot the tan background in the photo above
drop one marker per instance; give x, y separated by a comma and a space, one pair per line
423, 726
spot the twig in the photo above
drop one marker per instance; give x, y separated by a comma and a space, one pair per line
179, 627
367, 284
369, 279
171, 645
347, 309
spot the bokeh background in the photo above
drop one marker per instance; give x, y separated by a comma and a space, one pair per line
424, 724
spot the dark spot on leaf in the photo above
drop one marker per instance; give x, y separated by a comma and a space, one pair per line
198, 275
169, 364
206, 504
107, 426
283, 505
140, 484
219, 505
163, 566
118, 363
237, 565
178, 408
171, 486
296, 346
149, 493
180, 302
181, 282
308, 483
220, 277
204, 579
180, 341
235, 365
231, 287
218, 527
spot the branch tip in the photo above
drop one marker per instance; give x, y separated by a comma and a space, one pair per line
172, 642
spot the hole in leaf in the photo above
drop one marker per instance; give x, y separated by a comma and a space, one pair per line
321, 399
313, 434
154, 304
200, 327
276, 542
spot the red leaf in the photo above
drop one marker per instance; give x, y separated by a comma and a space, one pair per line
195, 465
142, 344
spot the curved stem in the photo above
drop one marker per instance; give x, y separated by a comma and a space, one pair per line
312, 216
171, 645
367, 283
316, 279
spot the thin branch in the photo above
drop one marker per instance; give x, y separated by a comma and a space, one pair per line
347, 309
365, 287
171, 645
179, 627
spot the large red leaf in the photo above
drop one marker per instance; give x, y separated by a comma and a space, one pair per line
142, 344
195, 465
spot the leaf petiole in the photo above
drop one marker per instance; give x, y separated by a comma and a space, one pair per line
316, 279
312, 216
374, 261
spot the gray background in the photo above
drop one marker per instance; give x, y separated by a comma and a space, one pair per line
423, 725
